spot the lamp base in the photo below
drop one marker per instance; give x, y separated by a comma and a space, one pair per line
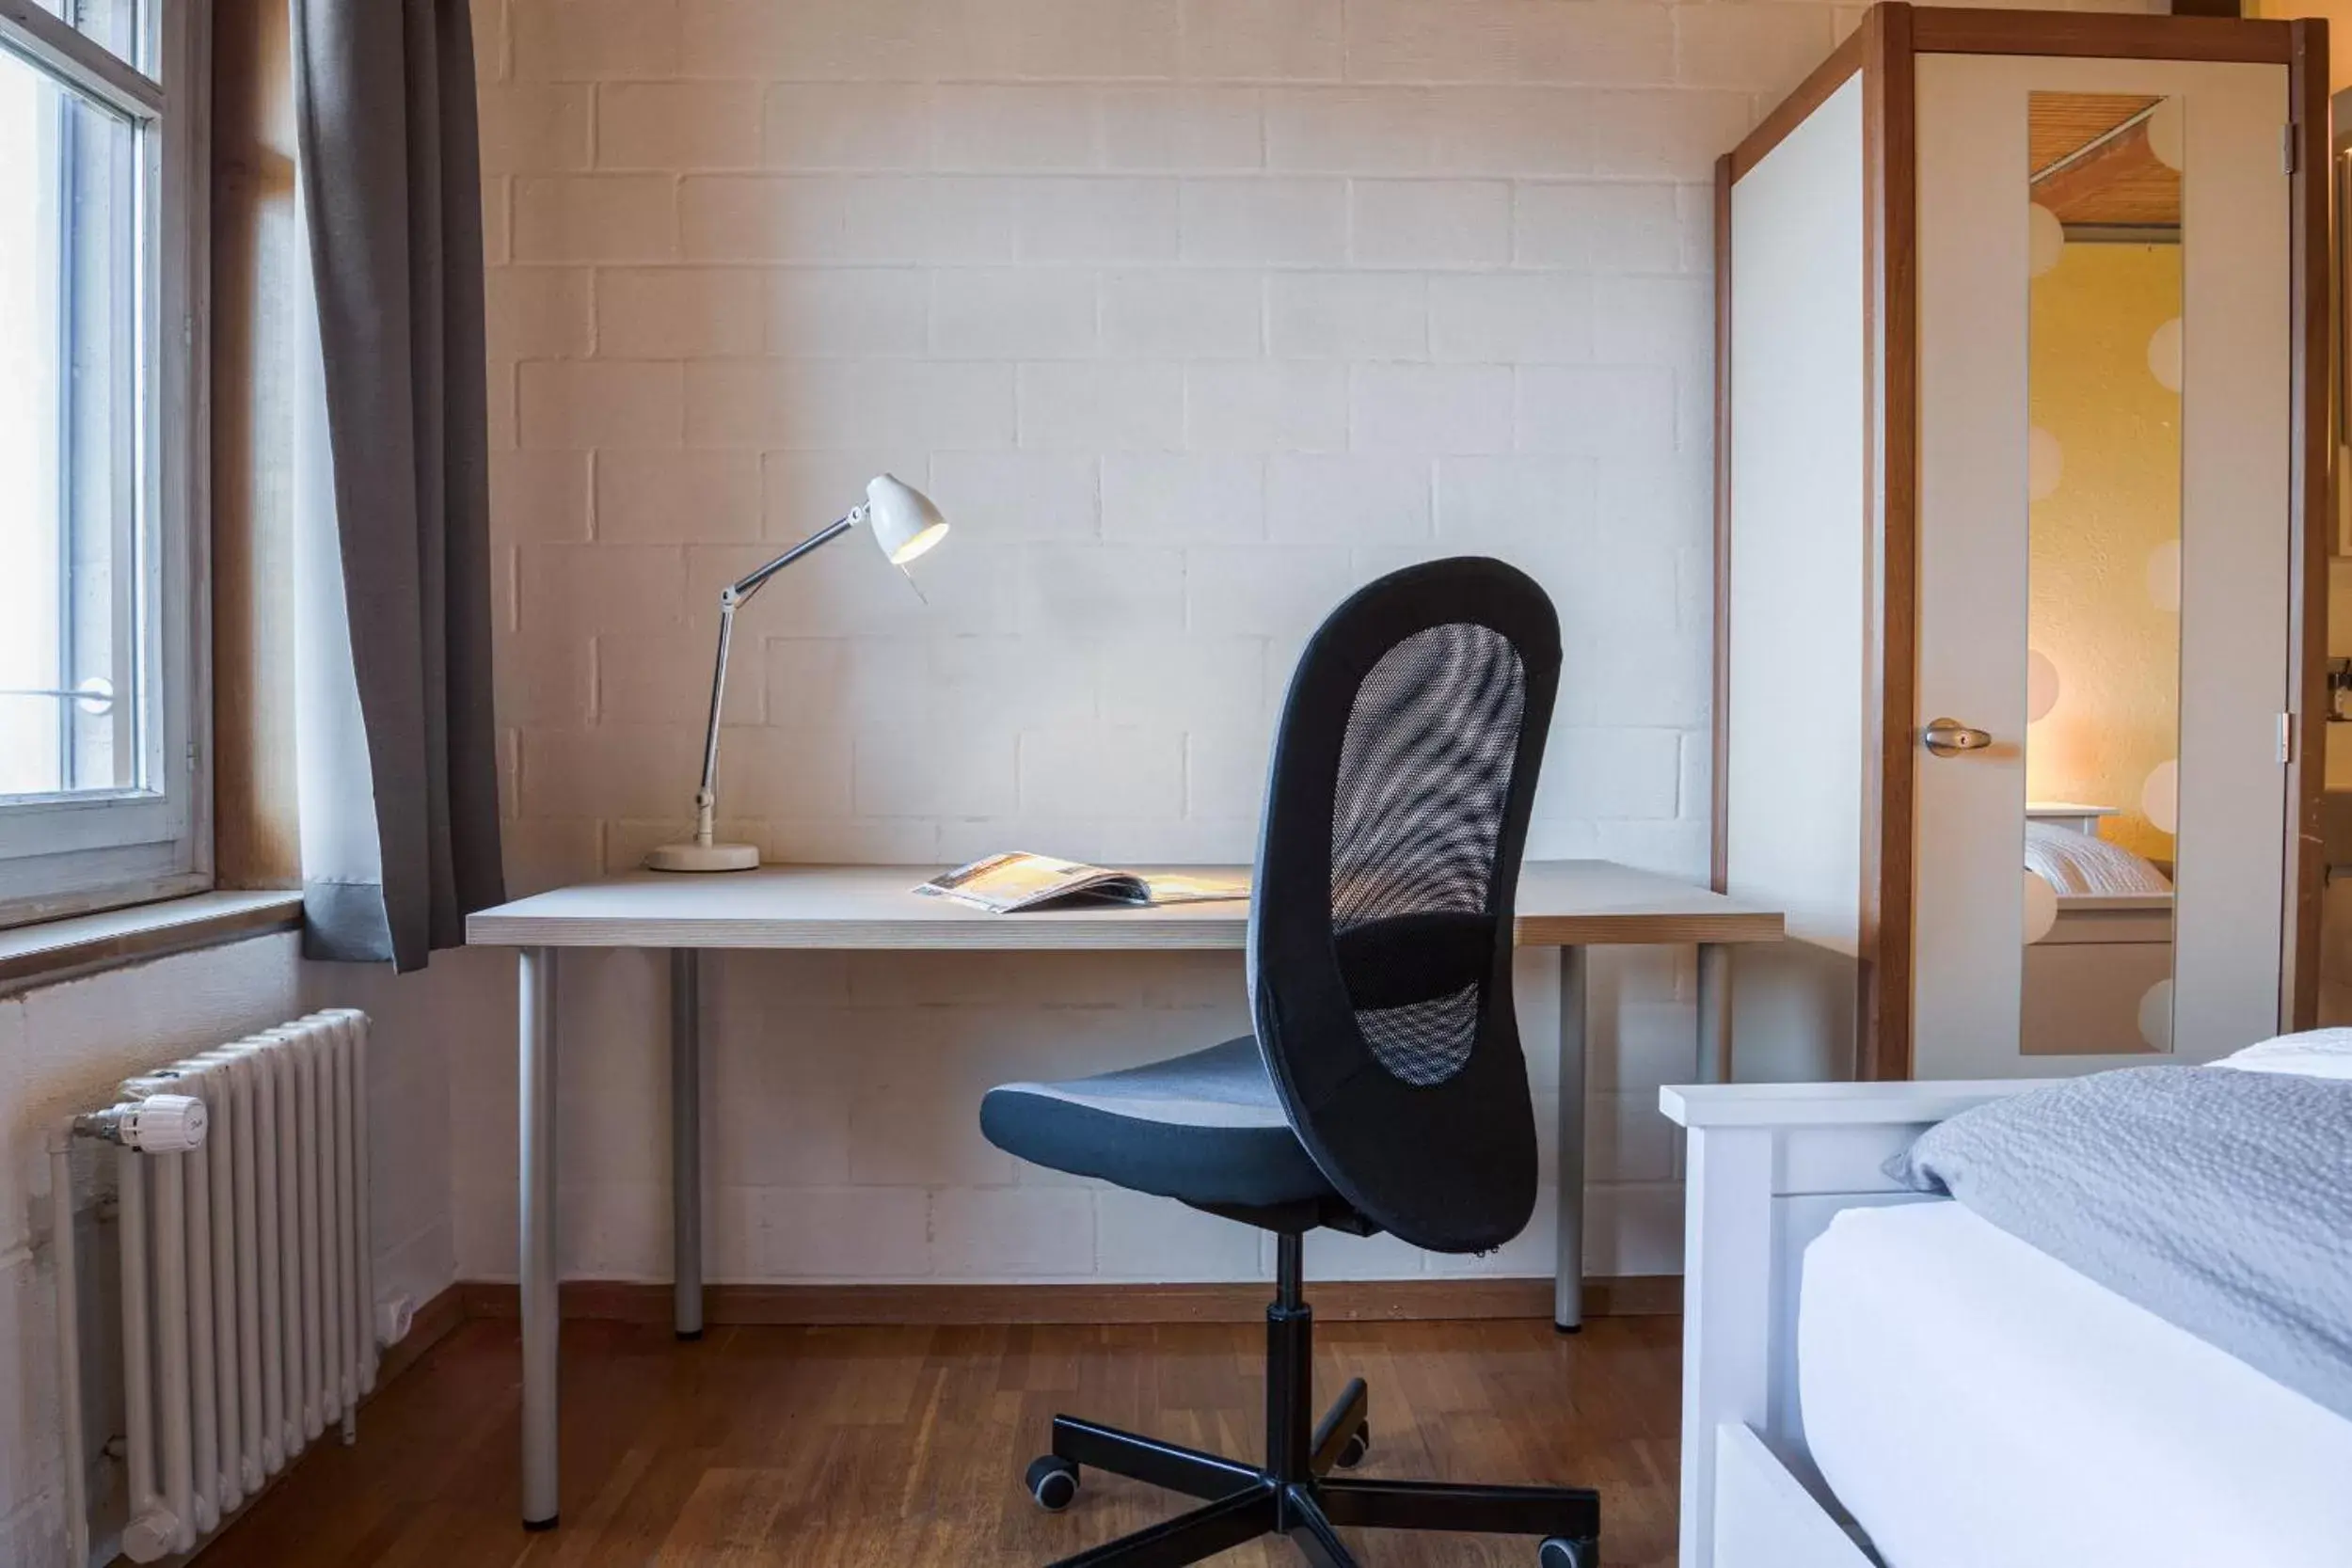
691, 856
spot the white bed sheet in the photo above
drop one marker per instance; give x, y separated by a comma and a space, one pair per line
1975, 1404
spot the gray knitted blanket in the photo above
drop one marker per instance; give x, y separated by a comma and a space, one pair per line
2218, 1199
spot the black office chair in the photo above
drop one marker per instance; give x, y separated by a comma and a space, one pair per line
1385, 1088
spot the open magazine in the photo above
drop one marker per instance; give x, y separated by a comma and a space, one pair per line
1003, 884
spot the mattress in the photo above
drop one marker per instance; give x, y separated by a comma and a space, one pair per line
1971, 1401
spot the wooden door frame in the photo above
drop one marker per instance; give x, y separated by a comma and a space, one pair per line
1890, 653
1884, 49
2312, 294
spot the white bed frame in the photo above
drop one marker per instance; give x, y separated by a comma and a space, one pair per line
1769, 1164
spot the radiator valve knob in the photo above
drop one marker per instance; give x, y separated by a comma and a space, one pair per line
163, 1124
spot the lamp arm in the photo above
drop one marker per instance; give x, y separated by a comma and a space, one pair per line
731, 598
744, 587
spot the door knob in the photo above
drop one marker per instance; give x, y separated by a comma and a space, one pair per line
1949, 737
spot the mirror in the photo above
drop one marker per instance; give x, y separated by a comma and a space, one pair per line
2104, 180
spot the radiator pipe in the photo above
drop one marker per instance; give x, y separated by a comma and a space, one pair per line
251, 1427
221, 1068
269, 1187
346, 1238
138, 1360
150, 1531
203, 1412
365, 1306
325, 1146
310, 1238
68, 1342
171, 1324
323, 1243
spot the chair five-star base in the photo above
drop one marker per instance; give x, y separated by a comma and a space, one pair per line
1295, 1493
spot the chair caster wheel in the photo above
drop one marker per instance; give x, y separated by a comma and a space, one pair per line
1563, 1551
1053, 1482
1358, 1445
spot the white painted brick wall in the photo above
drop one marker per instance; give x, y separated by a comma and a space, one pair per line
1194, 314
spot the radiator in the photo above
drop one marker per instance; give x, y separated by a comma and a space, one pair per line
247, 1324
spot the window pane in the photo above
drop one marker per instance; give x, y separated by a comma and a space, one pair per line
71, 452
125, 27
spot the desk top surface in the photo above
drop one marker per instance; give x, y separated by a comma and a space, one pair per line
1560, 904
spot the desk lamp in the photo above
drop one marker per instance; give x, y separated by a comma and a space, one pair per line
905, 525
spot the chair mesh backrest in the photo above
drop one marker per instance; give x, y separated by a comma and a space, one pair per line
1380, 941
1423, 772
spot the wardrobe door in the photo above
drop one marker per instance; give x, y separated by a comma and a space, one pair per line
2104, 562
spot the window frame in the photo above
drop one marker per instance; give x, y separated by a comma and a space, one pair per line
73, 855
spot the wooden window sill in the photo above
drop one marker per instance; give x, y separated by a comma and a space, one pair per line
56, 950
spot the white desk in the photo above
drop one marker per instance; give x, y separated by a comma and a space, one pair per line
1568, 905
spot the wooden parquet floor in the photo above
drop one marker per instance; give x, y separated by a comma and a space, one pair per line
903, 1448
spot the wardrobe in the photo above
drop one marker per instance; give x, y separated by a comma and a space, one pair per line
2020, 534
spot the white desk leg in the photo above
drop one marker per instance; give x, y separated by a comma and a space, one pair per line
1714, 1013
686, 1140
541, 1323
1568, 1293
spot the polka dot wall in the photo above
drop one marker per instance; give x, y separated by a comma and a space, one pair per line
2103, 470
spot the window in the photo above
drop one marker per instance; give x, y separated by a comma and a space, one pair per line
102, 802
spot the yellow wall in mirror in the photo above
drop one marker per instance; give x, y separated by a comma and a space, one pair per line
2107, 453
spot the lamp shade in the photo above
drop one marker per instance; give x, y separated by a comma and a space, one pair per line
905, 522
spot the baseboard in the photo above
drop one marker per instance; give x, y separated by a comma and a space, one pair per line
1634, 1295
1335, 1301
428, 1326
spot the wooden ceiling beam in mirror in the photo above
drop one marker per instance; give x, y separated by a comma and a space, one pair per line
2093, 163
2058, 125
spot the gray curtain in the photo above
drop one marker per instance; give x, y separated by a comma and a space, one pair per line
398, 770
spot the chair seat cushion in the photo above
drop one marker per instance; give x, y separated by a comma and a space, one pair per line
1204, 1129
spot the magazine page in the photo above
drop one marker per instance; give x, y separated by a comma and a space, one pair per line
1021, 881
1195, 888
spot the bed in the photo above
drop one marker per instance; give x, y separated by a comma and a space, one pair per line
2108, 942
1858, 1357
1923, 1331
